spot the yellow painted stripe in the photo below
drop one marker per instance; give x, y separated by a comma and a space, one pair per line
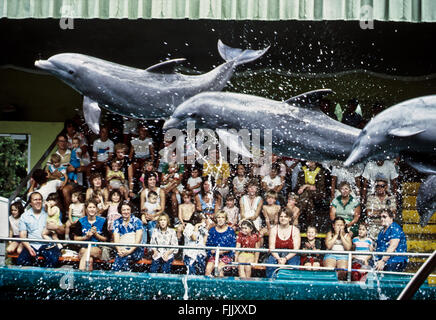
409, 202
431, 279
412, 216
410, 188
415, 228
320, 235
421, 245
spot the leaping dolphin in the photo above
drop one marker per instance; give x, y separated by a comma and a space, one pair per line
407, 129
299, 128
136, 93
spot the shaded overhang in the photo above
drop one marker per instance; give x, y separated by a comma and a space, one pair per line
264, 10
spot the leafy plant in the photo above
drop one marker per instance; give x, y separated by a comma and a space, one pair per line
13, 164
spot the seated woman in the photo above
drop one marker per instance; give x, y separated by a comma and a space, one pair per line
90, 228
221, 235
163, 235
283, 236
338, 239
347, 207
97, 191
195, 234
151, 184
207, 201
127, 229
391, 239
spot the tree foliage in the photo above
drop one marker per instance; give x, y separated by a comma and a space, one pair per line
13, 164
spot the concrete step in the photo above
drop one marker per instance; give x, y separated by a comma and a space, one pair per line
417, 229
421, 245
412, 216
410, 188
409, 202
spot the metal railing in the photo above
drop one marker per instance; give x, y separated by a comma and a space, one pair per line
349, 268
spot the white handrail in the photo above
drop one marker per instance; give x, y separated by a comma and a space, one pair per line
101, 243
217, 250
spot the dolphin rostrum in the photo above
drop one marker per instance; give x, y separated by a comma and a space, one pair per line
136, 93
299, 128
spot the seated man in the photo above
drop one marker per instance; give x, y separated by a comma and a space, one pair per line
311, 189
377, 202
32, 224
373, 169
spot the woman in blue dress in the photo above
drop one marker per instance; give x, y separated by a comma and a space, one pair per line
221, 235
127, 229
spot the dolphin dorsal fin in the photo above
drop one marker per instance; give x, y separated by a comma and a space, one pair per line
405, 132
166, 66
309, 99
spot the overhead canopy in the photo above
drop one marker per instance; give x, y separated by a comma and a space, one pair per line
382, 10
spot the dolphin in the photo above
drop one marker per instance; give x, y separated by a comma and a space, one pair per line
299, 128
426, 200
136, 93
407, 129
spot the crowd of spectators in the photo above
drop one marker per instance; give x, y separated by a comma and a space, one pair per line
117, 187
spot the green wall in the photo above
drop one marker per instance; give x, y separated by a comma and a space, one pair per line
41, 134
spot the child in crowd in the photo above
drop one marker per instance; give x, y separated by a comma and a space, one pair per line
172, 186
362, 243
76, 154
149, 215
163, 234
271, 210
56, 171
232, 212
186, 209
116, 179
195, 234
53, 216
194, 182
148, 167
16, 210
76, 211
113, 213
247, 238
292, 206
311, 243
240, 181
273, 182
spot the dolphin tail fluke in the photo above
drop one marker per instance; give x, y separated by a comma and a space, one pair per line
91, 112
426, 200
240, 56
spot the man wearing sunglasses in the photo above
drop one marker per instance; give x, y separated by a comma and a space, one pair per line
391, 239
377, 202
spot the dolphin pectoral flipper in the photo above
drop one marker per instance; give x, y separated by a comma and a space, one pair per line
309, 99
92, 112
240, 56
166, 66
234, 143
405, 132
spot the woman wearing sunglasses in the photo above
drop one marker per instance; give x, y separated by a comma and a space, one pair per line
391, 239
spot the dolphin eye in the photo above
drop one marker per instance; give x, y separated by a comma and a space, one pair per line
70, 71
